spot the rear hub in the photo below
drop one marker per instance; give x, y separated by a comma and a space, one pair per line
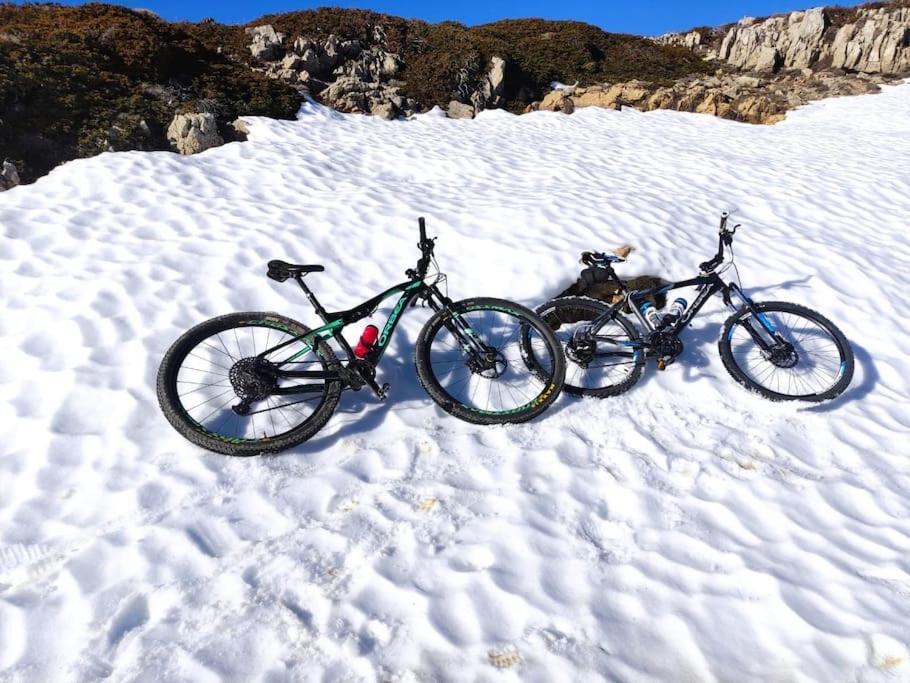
253, 379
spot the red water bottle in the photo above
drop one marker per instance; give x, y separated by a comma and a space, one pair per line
367, 341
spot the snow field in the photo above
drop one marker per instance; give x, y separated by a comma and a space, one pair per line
685, 531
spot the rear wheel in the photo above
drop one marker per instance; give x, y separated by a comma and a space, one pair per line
603, 356
808, 358
471, 360
216, 390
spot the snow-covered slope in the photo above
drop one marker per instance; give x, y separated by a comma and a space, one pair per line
685, 531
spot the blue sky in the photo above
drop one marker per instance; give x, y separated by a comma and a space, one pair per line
626, 16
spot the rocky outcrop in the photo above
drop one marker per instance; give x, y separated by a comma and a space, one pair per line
9, 176
344, 74
879, 42
476, 94
494, 83
874, 40
727, 94
361, 77
266, 42
193, 133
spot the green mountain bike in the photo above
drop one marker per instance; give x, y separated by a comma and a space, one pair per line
254, 383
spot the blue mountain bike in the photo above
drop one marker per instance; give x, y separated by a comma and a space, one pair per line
779, 350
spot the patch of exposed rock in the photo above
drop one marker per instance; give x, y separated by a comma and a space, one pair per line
727, 94
876, 40
356, 78
344, 74
193, 133
9, 176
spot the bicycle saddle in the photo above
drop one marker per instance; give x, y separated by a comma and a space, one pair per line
281, 271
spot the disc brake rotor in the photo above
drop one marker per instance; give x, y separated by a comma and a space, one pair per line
490, 364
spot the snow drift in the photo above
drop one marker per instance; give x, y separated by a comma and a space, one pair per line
686, 530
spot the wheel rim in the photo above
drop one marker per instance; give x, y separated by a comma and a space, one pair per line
501, 381
810, 363
220, 370
591, 364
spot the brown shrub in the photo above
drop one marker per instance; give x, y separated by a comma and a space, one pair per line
76, 81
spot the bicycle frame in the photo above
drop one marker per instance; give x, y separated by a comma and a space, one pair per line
708, 285
360, 371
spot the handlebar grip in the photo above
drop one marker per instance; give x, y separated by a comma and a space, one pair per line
591, 258
423, 229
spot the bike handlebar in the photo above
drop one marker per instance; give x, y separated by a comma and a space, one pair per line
593, 258
426, 251
725, 238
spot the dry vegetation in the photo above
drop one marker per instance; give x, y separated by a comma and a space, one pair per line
76, 81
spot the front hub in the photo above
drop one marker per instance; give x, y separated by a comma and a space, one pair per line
783, 356
489, 363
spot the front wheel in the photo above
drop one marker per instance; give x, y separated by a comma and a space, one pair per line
786, 352
471, 361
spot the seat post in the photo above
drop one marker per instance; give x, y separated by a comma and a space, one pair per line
309, 295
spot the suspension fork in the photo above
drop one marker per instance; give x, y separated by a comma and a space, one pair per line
459, 327
766, 326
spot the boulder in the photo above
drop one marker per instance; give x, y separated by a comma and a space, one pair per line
352, 95
9, 176
241, 127
331, 53
349, 48
748, 81
384, 110
193, 133
389, 65
310, 61
557, 100
266, 42
302, 44
292, 62
597, 97
459, 110
494, 82
764, 58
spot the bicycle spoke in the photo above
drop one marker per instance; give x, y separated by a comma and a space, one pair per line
816, 356
505, 366
214, 386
